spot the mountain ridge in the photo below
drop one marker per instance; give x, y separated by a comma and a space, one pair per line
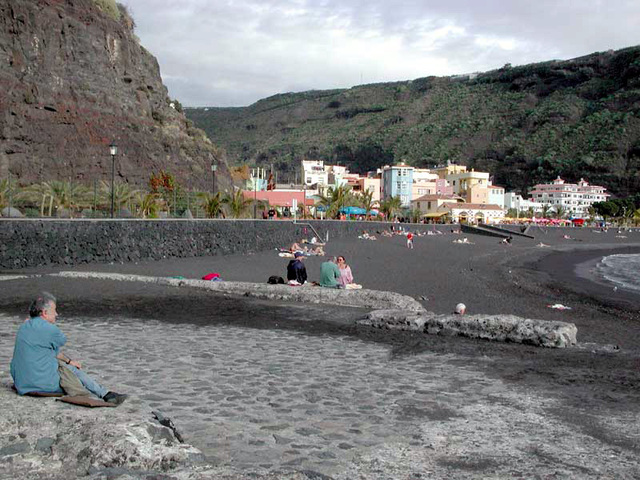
525, 124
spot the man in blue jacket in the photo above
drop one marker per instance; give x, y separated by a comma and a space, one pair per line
296, 269
37, 355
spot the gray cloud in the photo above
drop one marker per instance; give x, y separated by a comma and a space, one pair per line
230, 53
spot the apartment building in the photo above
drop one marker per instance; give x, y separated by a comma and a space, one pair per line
575, 198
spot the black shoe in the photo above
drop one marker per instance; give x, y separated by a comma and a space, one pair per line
116, 398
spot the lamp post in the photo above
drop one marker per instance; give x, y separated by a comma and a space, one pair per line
113, 149
255, 194
214, 167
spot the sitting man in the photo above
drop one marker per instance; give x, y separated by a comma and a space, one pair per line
330, 274
38, 364
296, 271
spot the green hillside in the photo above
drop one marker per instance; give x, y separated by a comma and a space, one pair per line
577, 118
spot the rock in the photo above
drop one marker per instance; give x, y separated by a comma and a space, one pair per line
14, 449
10, 212
44, 444
502, 328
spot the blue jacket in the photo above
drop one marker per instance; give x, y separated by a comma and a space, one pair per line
34, 366
297, 271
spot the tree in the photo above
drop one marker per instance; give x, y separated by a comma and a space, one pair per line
335, 199
212, 204
560, 211
61, 195
390, 206
148, 204
606, 209
545, 210
236, 203
123, 194
367, 202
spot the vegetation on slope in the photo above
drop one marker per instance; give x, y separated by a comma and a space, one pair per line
527, 124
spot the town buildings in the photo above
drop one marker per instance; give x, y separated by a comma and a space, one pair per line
573, 198
445, 192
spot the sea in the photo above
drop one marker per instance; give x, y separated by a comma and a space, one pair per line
622, 270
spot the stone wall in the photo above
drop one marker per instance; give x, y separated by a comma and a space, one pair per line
33, 243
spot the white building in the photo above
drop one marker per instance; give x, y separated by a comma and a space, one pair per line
574, 198
495, 195
515, 201
463, 212
314, 173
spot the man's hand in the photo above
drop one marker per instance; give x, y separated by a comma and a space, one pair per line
76, 364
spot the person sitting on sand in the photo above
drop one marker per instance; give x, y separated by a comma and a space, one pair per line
506, 240
296, 271
346, 277
38, 364
330, 274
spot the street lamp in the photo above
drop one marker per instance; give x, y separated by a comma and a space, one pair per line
255, 194
214, 167
113, 149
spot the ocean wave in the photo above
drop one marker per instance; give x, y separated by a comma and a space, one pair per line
622, 270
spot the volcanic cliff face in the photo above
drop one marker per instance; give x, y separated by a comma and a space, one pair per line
73, 79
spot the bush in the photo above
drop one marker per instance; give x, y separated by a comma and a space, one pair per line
109, 7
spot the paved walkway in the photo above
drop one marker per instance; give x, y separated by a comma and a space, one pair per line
260, 400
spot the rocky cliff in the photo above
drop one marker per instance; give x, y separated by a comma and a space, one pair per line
75, 78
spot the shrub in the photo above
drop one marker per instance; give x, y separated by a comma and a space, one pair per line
109, 7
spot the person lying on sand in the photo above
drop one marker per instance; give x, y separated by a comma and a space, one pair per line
542, 245
38, 364
464, 240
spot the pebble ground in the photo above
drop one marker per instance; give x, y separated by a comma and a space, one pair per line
272, 400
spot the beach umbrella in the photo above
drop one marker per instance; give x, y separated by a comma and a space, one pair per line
353, 211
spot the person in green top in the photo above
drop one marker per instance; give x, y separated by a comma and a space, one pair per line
329, 274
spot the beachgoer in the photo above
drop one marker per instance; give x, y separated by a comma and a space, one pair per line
346, 277
271, 213
460, 309
38, 361
409, 240
330, 274
296, 271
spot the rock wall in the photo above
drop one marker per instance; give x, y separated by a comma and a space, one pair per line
73, 79
32, 243
499, 328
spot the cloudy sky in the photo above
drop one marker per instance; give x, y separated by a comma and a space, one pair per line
234, 52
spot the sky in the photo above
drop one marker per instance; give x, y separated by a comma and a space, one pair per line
223, 53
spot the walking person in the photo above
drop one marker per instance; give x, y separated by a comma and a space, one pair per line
409, 240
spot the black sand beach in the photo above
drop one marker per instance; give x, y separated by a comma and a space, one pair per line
594, 381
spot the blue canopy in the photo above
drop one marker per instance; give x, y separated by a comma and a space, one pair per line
353, 211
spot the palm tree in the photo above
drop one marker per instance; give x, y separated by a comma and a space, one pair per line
63, 195
212, 204
236, 203
560, 211
148, 204
545, 210
4, 193
390, 205
335, 199
367, 202
123, 194
636, 216
35, 193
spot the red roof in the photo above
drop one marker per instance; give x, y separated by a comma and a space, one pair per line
278, 198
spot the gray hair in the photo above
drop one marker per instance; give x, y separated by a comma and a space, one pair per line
40, 304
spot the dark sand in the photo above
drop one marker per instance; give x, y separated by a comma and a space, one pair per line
487, 276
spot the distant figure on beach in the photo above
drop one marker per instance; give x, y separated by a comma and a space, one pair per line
271, 213
346, 277
330, 274
460, 309
296, 271
410, 240
38, 364
507, 240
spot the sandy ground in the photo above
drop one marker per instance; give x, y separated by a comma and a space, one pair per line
588, 394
